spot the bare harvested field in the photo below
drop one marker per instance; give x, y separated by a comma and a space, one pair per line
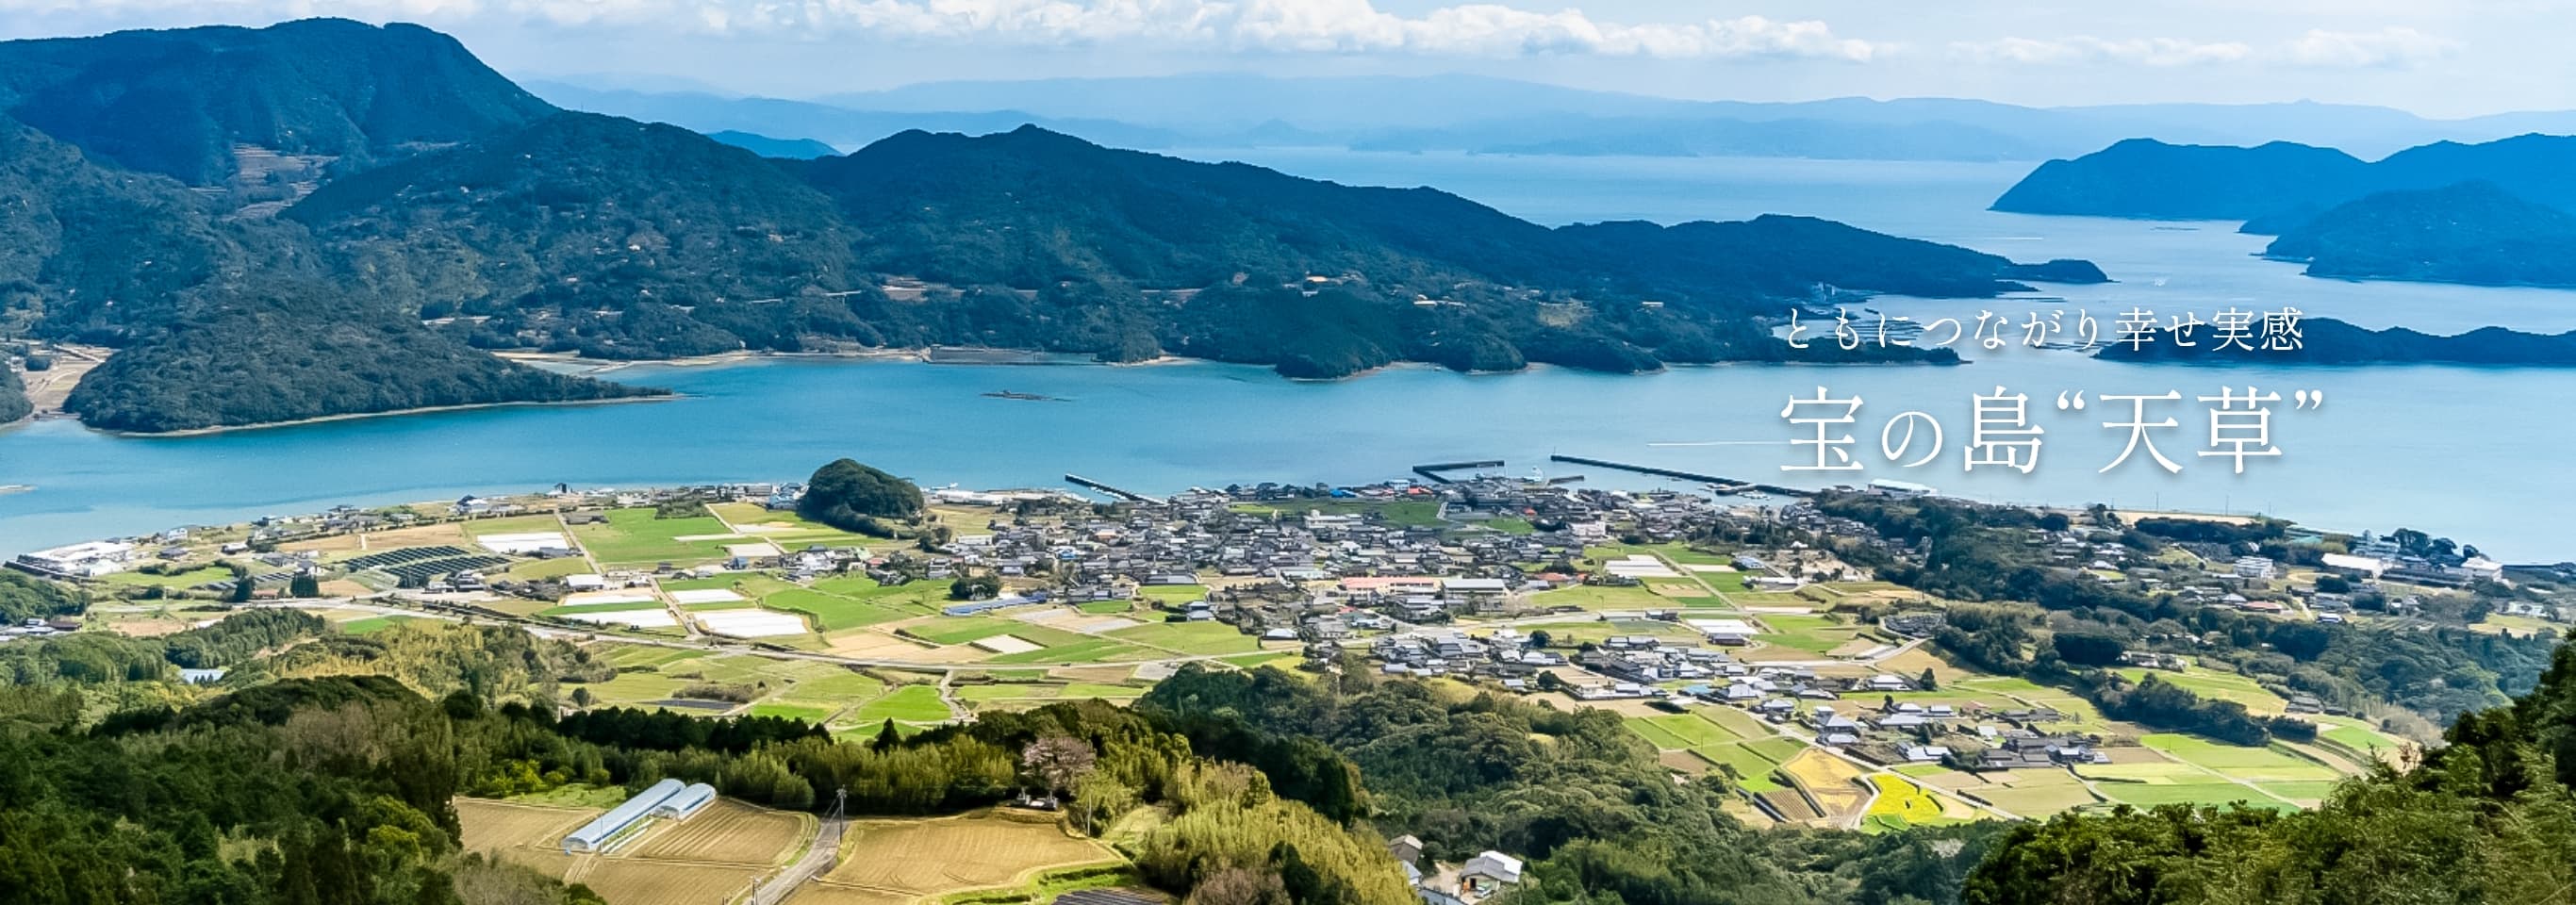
708, 859
496, 825
1833, 782
630, 881
891, 861
729, 832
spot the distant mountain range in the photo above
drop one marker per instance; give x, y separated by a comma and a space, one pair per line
2493, 213
350, 214
1457, 113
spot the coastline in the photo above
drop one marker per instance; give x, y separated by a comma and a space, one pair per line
353, 416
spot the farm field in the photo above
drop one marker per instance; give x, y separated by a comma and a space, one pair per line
633, 537
708, 859
1191, 637
1901, 804
2238, 762
1831, 781
1603, 597
908, 704
884, 862
2213, 684
729, 832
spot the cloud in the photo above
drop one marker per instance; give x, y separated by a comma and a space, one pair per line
2390, 47
1290, 26
2088, 49
2393, 47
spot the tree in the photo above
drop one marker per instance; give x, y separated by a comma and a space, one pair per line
1928, 681
304, 585
853, 497
1058, 761
887, 737
242, 586
1541, 638
581, 697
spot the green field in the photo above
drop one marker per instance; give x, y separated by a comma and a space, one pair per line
2237, 761
810, 713
1605, 597
633, 537
1402, 513
537, 569
2212, 684
1687, 730
187, 579
1191, 637
908, 704
580, 608
372, 624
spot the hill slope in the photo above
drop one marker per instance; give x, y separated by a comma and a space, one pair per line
2148, 179
283, 351
175, 102
2279, 184
2472, 232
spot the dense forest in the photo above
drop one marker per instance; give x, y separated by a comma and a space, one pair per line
13, 395
854, 497
442, 195
287, 351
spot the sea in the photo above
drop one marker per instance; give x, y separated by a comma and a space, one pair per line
2462, 452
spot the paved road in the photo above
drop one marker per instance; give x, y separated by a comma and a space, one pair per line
818, 858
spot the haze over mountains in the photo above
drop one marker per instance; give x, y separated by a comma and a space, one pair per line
2496, 213
345, 214
1488, 115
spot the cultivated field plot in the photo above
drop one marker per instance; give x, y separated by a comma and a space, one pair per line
708, 859
1191, 637
2237, 761
1602, 597
633, 537
2220, 685
1812, 635
1683, 730
728, 832
889, 861
786, 529
750, 623
2031, 793
1834, 783
634, 881
502, 826
1901, 804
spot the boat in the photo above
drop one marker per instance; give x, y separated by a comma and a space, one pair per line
1032, 397
16, 488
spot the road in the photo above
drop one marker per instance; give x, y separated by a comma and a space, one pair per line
818, 858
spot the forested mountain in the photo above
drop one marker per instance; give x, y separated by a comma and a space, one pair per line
273, 351
2472, 232
2277, 184
176, 102
2149, 179
765, 146
454, 198
90, 252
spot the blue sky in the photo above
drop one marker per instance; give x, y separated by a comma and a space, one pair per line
2457, 57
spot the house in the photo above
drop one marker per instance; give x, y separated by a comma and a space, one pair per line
1488, 874
1406, 849
2254, 567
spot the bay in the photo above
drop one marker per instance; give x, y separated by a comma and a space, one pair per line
2456, 451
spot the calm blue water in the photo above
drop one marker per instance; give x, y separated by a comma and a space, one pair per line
2448, 450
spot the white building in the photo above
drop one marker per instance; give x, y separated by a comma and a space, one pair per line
88, 560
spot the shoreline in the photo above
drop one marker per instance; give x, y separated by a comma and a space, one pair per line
353, 416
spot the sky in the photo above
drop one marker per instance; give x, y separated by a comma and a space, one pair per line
2447, 58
